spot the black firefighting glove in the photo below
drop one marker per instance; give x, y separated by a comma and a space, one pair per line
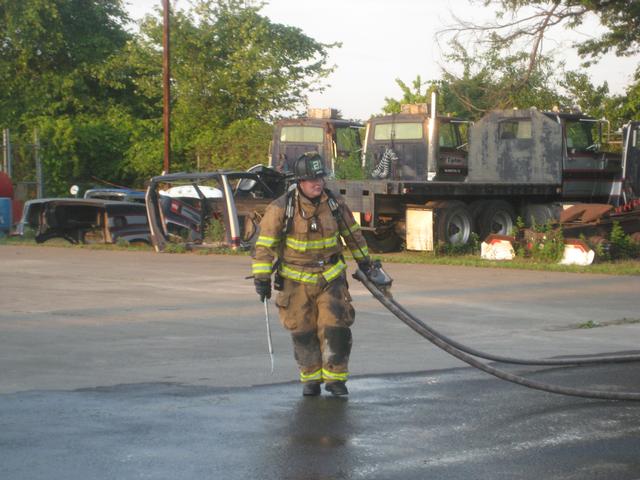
263, 287
375, 273
365, 265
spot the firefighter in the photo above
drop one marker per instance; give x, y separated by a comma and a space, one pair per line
310, 273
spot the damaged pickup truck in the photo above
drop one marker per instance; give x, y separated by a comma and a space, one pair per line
84, 221
212, 209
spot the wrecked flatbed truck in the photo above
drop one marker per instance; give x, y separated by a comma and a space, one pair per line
229, 219
518, 163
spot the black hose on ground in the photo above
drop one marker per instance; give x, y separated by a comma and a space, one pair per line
419, 327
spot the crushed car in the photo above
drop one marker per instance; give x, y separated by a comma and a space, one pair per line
84, 221
211, 209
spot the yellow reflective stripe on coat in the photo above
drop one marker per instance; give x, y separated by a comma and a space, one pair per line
360, 255
264, 241
334, 271
299, 276
311, 377
304, 245
261, 268
312, 278
334, 376
354, 228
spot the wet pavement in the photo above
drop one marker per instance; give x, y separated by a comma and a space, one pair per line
118, 365
453, 424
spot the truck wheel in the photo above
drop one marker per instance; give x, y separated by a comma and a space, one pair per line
453, 223
496, 217
383, 241
476, 208
540, 213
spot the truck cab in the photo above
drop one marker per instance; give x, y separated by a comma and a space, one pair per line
397, 146
589, 172
320, 131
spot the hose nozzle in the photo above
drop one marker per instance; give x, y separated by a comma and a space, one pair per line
377, 275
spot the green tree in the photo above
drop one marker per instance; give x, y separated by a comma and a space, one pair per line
229, 64
52, 54
488, 81
413, 94
622, 108
241, 145
531, 21
54, 71
525, 24
72, 69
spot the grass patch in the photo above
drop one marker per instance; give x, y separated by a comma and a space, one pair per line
589, 324
598, 324
619, 267
62, 243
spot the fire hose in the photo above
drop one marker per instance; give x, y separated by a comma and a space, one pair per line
467, 354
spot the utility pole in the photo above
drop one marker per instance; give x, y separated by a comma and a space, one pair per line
39, 173
166, 78
6, 148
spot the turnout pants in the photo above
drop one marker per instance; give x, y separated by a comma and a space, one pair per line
318, 317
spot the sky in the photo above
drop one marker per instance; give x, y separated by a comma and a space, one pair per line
387, 39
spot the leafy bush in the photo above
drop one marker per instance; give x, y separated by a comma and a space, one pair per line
622, 245
471, 248
215, 232
349, 168
542, 243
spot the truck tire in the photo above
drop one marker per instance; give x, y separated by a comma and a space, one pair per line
476, 208
383, 241
497, 216
540, 213
454, 223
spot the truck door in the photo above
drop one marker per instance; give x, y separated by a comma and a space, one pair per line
584, 163
452, 161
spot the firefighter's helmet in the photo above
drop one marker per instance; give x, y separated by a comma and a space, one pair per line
309, 166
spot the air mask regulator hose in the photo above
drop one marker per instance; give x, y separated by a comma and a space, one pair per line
454, 348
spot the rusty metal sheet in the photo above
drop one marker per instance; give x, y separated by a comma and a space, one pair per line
585, 212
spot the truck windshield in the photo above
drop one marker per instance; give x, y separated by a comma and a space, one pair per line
449, 135
398, 131
580, 135
299, 134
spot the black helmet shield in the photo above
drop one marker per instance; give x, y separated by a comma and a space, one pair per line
309, 166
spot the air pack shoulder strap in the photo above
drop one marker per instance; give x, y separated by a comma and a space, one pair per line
289, 211
334, 206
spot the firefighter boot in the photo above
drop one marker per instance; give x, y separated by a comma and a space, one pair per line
336, 388
311, 389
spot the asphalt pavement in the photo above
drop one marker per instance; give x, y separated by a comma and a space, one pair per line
139, 365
